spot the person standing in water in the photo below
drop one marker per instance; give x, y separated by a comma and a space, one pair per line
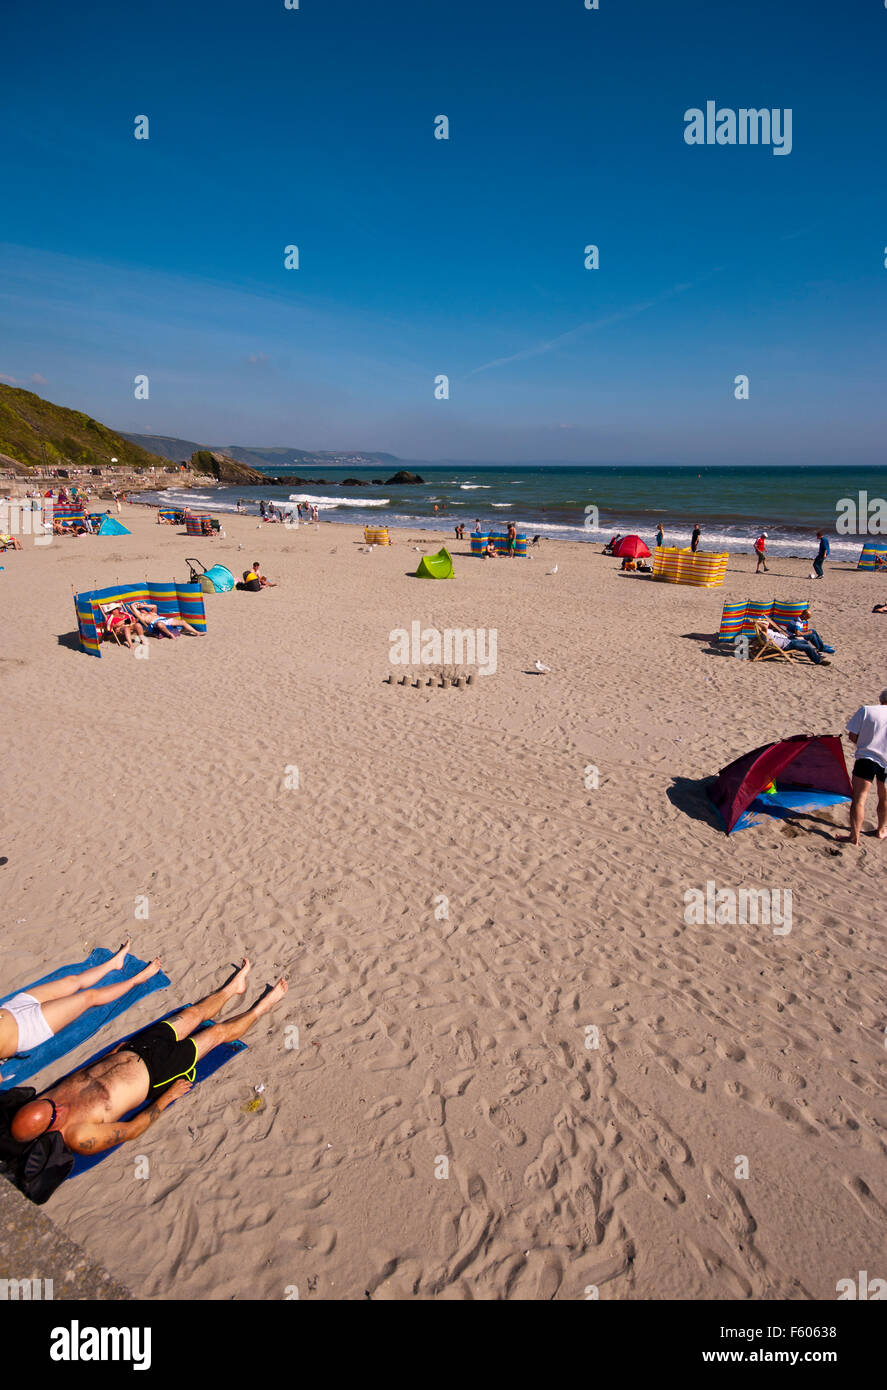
660, 535
694, 539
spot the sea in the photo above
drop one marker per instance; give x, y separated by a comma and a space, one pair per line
732, 505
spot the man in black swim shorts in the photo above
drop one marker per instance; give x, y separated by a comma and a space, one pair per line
156, 1065
867, 729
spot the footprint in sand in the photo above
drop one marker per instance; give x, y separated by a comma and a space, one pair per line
503, 1124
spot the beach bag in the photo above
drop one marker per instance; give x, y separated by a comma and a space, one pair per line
39, 1167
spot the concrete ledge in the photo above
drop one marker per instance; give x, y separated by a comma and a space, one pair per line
32, 1247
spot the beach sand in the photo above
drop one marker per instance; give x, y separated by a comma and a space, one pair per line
443, 1129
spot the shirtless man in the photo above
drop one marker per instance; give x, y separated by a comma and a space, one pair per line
158, 1063
29, 1019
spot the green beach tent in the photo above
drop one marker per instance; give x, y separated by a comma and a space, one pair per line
439, 566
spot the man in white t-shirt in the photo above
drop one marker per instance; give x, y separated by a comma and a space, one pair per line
867, 729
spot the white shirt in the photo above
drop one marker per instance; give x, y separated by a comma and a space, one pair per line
780, 640
870, 724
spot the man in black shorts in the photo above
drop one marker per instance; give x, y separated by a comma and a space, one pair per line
157, 1064
867, 729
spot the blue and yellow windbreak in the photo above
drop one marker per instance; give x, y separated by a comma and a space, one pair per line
169, 596
869, 553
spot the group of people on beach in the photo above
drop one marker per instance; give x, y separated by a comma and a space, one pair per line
304, 512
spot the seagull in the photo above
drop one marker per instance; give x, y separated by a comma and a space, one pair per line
554, 571
543, 669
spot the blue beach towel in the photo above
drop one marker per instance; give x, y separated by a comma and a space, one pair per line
17, 1069
786, 803
205, 1067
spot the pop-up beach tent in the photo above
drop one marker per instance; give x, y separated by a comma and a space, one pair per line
439, 566
112, 527
803, 773
631, 548
871, 551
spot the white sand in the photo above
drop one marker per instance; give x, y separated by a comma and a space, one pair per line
423, 1037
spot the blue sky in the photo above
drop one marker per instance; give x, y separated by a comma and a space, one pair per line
464, 257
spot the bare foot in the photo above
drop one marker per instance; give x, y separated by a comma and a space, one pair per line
882, 833
846, 840
273, 997
238, 984
116, 961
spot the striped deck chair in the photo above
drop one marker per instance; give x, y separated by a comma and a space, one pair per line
767, 650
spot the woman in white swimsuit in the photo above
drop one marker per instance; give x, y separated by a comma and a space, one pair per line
27, 1020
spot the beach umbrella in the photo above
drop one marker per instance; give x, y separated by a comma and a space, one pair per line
631, 547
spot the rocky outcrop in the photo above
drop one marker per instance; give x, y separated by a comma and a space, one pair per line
225, 469
403, 476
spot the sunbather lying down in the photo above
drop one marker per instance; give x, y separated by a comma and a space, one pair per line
27, 1020
158, 1063
161, 624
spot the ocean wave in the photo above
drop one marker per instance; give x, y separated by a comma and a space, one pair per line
474, 487
329, 504
501, 504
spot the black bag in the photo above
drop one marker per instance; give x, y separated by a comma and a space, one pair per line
36, 1168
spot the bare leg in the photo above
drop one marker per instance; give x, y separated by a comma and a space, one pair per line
185, 1022
60, 1012
234, 1028
882, 810
857, 810
70, 984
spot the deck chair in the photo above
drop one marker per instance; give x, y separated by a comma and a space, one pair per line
106, 609
768, 651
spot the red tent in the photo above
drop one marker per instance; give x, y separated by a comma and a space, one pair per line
809, 761
631, 547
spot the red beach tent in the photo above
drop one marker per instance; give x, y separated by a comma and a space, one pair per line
631, 547
813, 763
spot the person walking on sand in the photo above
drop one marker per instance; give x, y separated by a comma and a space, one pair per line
821, 556
761, 552
157, 1064
867, 730
29, 1019
694, 539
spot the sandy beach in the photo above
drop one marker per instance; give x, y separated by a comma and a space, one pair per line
461, 914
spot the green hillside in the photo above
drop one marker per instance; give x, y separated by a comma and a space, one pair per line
36, 433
